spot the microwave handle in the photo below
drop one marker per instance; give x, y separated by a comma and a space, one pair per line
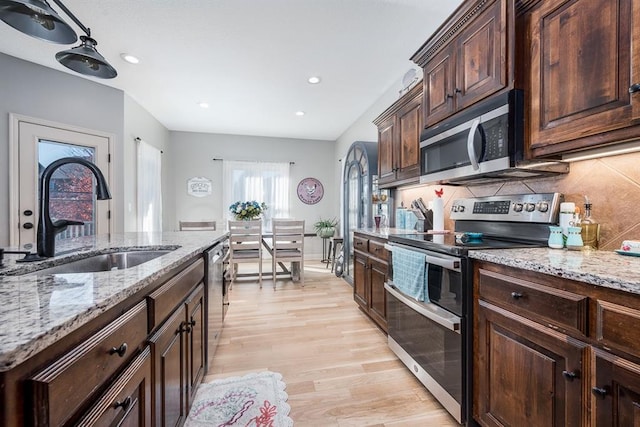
470, 148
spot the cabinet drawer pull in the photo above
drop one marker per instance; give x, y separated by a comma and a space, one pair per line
570, 375
634, 88
599, 391
124, 404
516, 295
119, 350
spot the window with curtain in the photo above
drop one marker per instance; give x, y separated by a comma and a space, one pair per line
149, 188
266, 182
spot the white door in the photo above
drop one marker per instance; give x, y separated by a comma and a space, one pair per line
72, 186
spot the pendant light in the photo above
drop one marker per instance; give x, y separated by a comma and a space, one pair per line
37, 19
85, 59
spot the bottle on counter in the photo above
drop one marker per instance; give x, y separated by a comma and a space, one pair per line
567, 218
590, 228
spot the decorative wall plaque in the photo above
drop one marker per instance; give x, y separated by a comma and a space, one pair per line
310, 191
199, 186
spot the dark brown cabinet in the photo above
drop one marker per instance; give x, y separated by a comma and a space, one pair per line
136, 364
370, 273
553, 352
467, 59
581, 59
178, 346
399, 129
526, 374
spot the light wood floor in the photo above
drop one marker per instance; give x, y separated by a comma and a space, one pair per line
335, 362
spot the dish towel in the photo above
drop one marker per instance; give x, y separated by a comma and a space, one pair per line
410, 273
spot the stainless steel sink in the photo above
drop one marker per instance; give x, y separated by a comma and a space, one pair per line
105, 262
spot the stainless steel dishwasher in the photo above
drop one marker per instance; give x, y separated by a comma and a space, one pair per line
216, 294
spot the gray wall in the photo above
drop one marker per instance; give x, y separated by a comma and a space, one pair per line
192, 155
140, 124
36, 91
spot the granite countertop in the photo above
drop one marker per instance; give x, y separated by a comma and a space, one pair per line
600, 268
37, 310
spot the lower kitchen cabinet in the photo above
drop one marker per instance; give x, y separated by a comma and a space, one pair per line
128, 401
615, 391
527, 375
550, 351
137, 364
369, 275
177, 350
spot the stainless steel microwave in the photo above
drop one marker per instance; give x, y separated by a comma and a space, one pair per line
483, 143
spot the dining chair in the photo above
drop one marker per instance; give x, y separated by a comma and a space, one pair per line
245, 245
288, 245
197, 225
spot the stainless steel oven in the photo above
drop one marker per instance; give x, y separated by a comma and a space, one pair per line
428, 336
431, 331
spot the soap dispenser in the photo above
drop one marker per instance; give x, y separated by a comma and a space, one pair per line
590, 227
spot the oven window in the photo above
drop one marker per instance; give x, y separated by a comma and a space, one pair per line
436, 349
445, 288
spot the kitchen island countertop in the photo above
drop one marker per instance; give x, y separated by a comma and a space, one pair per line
600, 268
37, 310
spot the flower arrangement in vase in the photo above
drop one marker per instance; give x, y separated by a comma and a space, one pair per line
247, 211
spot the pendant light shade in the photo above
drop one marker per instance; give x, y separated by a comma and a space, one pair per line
37, 19
85, 59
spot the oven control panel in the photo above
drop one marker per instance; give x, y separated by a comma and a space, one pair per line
539, 208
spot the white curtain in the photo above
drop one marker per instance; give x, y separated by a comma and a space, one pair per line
266, 182
149, 188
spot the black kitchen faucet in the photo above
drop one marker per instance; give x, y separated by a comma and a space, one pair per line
47, 229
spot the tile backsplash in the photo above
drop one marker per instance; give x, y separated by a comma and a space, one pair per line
611, 183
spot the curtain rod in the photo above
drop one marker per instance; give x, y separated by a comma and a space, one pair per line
254, 161
138, 139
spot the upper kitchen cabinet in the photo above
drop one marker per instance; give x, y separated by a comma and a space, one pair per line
581, 66
467, 59
399, 128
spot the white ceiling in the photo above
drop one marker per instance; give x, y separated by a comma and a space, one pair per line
250, 59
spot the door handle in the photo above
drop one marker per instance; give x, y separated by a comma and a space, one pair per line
634, 88
470, 148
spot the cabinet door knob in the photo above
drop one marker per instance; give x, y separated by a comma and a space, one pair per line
192, 323
602, 392
124, 404
634, 88
570, 375
27, 225
516, 295
119, 350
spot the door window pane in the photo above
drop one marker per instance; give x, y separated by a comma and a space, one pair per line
72, 187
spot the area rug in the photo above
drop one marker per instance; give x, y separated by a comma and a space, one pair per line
254, 400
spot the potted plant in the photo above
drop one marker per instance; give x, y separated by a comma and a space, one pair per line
325, 228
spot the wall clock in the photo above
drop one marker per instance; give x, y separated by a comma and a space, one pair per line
310, 191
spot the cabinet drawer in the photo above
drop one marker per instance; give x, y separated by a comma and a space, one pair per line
128, 400
61, 388
377, 250
360, 244
555, 308
165, 299
618, 326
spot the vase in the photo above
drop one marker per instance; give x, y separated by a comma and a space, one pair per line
326, 232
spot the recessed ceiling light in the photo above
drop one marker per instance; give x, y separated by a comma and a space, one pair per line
299, 113
314, 80
130, 58
203, 104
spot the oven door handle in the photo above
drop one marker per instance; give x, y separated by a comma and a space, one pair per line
447, 263
473, 157
433, 312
